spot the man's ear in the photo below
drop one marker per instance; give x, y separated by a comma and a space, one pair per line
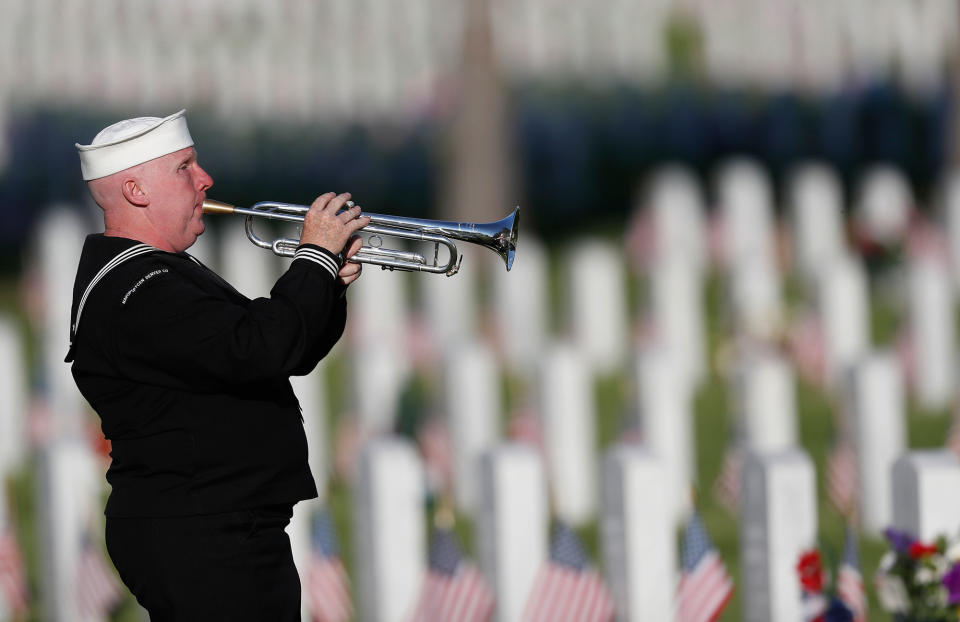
134, 193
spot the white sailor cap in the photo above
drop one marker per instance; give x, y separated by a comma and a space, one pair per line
131, 142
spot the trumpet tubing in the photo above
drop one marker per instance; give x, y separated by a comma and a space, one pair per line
499, 236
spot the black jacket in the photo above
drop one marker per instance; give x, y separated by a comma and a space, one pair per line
191, 378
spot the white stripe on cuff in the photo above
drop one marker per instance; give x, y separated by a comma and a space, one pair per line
317, 257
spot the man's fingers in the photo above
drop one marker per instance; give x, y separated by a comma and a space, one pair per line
350, 213
337, 202
357, 223
354, 244
321, 201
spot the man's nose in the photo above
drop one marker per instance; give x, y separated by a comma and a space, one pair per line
204, 179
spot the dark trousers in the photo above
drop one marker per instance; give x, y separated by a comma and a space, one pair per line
234, 566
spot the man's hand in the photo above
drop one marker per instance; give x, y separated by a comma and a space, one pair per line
350, 272
327, 229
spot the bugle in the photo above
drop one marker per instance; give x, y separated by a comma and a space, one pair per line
499, 236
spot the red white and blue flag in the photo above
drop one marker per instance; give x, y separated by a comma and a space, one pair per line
705, 587
13, 584
97, 589
850, 581
842, 478
453, 590
328, 586
567, 588
726, 488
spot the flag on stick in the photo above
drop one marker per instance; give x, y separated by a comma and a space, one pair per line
842, 480
97, 589
849, 579
567, 588
328, 586
13, 583
453, 590
726, 488
705, 587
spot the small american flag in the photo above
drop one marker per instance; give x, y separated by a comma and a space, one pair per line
953, 436
524, 427
567, 588
705, 587
435, 446
453, 590
814, 606
850, 581
328, 587
842, 479
97, 589
726, 488
13, 584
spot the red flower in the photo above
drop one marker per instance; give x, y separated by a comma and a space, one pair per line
918, 550
810, 570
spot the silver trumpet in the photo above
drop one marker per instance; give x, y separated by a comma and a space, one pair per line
499, 236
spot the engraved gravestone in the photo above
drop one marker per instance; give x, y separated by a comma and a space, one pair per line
778, 522
389, 534
512, 527
639, 556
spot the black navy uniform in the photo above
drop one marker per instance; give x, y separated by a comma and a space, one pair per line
191, 382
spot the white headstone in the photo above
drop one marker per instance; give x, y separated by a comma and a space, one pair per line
522, 306
766, 400
665, 409
746, 203
676, 299
932, 326
70, 485
597, 304
379, 314
778, 523
757, 306
925, 503
449, 305
568, 418
61, 235
251, 270
512, 527
884, 204
14, 401
877, 401
678, 217
389, 534
844, 301
472, 404
638, 544
816, 203
376, 381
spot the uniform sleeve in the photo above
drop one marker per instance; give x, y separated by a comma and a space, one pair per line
174, 333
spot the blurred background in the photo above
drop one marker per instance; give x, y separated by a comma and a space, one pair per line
691, 175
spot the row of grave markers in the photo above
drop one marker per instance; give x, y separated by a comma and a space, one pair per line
48, 54
665, 371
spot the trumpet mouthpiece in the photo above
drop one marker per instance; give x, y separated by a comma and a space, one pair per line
211, 206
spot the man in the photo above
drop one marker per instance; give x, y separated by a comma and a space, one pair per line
191, 380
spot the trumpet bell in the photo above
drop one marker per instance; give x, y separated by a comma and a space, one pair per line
501, 236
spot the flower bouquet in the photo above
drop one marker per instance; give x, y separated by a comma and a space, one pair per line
823, 602
919, 581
